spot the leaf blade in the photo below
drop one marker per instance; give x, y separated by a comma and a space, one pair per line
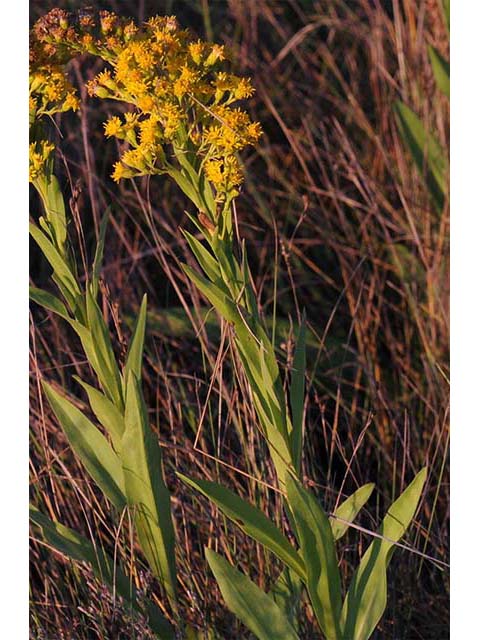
250, 519
256, 609
318, 551
93, 449
367, 594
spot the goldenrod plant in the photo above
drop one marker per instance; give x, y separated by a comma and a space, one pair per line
183, 122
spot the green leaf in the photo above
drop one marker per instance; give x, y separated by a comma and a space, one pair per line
135, 350
107, 368
251, 605
426, 152
216, 296
146, 490
189, 189
441, 70
251, 520
446, 12
367, 595
207, 195
91, 447
76, 547
65, 277
106, 412
54, 204
49, 301
287, 593
97, 262
297, 397
348, 510
203, 256
317, 549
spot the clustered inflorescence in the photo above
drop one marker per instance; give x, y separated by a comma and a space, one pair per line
182, 101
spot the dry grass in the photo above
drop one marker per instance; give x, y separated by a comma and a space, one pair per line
338, 222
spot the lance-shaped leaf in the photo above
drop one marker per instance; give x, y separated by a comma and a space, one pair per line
97, 261
203, 256
251, 520
106, 412
107, 368
441, 70
317, 549
49, 301
367, 595
348, 510
426, 152
76, 547
91, 446
54, 204
257, 610
64, 277
287, 593
297, 397
215, 295
135, 350
146, 490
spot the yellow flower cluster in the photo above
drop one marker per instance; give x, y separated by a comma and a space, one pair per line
181, 95
50, 92
39, 153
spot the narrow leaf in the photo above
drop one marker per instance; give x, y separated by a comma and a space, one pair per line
108, 372
222, 302
297, 397
203, 256
135, 350
441, 70
91, 447
426, 152
106, 412
146, 490
97, 262
58, 264
367, 595
287, 593
317, 548
348, 510
257, 610
251, 520
49, 301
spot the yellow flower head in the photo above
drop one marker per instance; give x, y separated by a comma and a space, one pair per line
181, 95
113, 127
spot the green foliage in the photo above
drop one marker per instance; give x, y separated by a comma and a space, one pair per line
349, 509
257, 610
297, 393
317, 549
251, 520
145, 489
76, 547
441, 70
93, 449
426, 152
367, 595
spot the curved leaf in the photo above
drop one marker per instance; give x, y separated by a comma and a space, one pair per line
348, 510
317, 548
146, 490
257, 610
367, 595
91, 447
251, 520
